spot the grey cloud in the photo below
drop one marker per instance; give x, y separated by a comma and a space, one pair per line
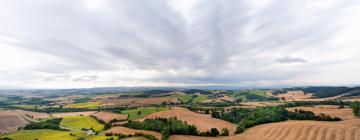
291, 60
153, 35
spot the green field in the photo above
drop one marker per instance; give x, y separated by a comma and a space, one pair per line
142, 112
25, 106
80, 122
200, 98
45, 134
183, 98
89, 105
251, 95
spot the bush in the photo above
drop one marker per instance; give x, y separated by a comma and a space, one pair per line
224, 132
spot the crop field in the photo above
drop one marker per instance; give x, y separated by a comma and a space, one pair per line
142, 112
80, 122
88, 105
201, 121
84, 113
331, 110
291, 130
45, 134
127, 131
10, 121
108, 116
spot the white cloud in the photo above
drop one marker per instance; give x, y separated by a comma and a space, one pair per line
92, 43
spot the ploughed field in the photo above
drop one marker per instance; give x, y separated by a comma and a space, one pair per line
10, 121
330, 110
293, 130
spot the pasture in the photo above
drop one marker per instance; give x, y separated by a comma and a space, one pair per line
88, 105
45, 134
81, 122
142, 112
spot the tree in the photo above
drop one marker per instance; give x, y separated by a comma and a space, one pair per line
214, 132
224, 132
240, 128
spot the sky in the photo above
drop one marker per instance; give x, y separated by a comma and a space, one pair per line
106, 43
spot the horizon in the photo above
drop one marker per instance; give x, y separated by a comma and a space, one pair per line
108, 43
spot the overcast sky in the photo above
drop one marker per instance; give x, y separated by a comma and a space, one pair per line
96, 43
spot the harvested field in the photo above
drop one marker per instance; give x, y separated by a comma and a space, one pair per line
331, 110
221, 99
10, 121
108, 116
295, 96
85, 113
293, 130
201, 121
127, 131
34, 115
139, 101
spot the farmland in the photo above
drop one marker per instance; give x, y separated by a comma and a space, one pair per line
182, 114
201, 121
142, 112
81, 122
88, 105
45, 134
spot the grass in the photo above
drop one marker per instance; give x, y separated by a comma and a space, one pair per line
183, 98
25, 106
142, 112
45, 134
200, 98
81, 122
88, 105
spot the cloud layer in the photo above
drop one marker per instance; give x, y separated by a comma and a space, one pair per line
92, 43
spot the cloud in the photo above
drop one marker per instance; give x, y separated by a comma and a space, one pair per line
291, 60
140, 43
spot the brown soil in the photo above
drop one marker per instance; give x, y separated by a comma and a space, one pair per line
127, 131
331, 110
85, 113
35, 115
201, 121
10, 121
293, 130
108, 116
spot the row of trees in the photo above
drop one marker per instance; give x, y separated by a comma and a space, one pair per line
167, 126
246, 118
356, 108
171, 126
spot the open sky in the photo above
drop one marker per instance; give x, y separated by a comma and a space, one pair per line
96, 43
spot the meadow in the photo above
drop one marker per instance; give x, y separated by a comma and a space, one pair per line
45, 134
142, 112
87, 105
81, 122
